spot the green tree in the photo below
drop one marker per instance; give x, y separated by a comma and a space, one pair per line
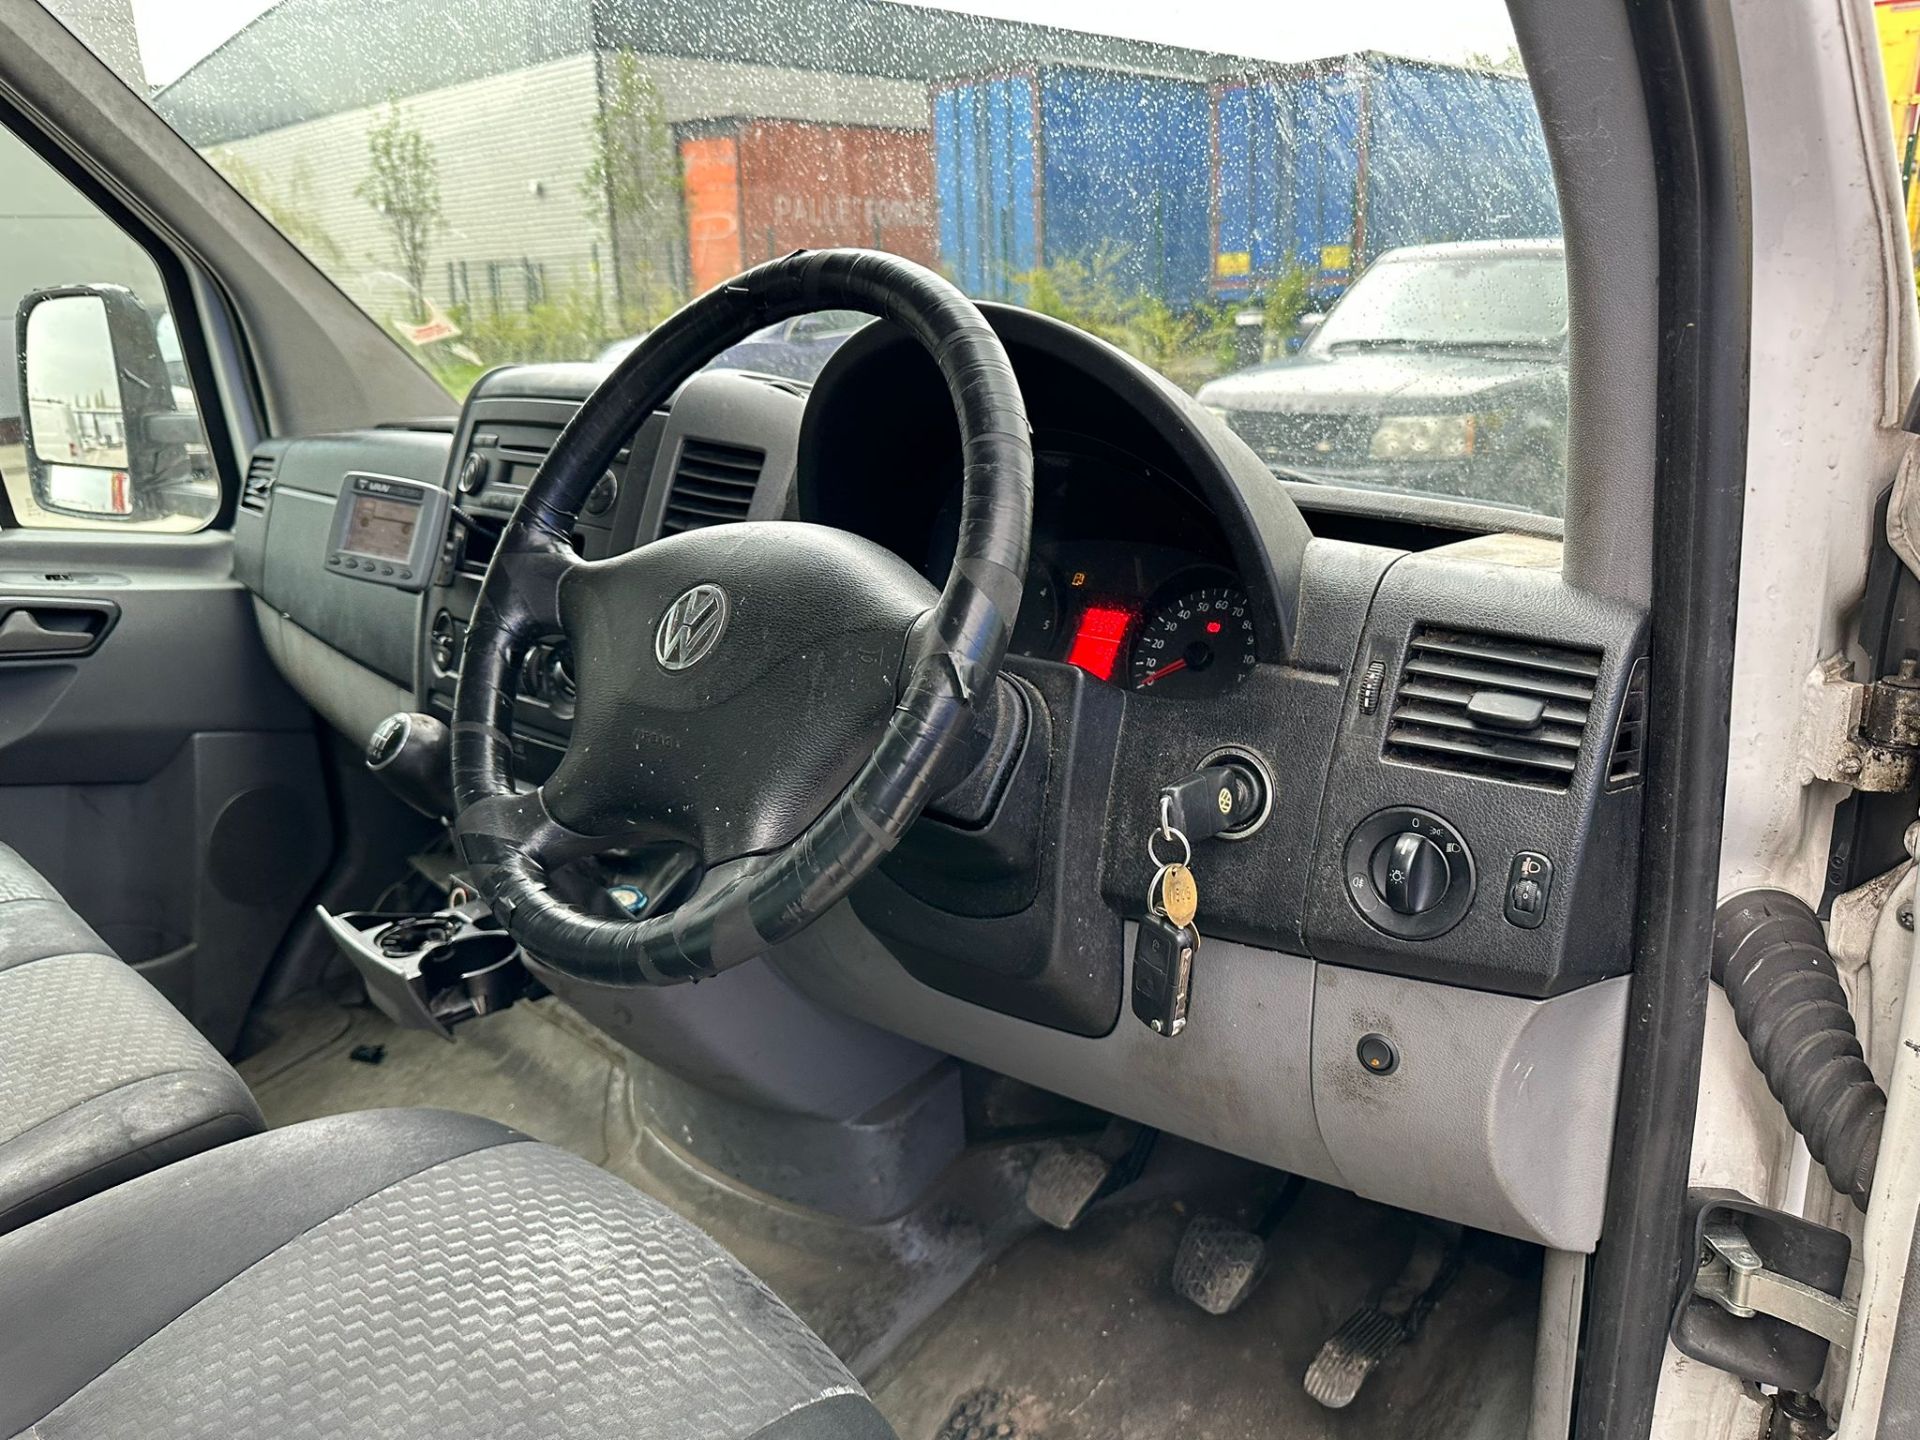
403, 186
1085, 291
1188, 344
1289, 295
632, 184
289, 206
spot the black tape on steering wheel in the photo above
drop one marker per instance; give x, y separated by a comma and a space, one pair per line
509, 840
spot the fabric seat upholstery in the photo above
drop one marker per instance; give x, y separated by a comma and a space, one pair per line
101, 1079
402, 1273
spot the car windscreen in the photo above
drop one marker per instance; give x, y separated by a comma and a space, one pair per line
505, 181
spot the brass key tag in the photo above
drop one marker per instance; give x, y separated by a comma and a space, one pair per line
1179, 896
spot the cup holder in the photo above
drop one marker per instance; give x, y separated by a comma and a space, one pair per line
432, 971
417, 933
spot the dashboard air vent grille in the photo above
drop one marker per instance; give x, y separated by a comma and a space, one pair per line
480, 537
1627, 760
712, 485
259, 486
1489, 705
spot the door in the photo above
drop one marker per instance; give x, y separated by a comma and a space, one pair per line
153, 764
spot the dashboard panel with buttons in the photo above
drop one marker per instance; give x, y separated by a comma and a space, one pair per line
1409, 873
1529, 888
1480, 819
388, 530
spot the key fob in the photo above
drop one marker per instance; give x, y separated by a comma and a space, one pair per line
1163, 973
1212, 801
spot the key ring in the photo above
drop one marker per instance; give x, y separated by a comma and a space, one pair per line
1186, 849
1154, 907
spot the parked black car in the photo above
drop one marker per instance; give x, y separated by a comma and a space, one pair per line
1443, 370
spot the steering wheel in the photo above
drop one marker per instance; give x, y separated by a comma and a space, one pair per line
779, 697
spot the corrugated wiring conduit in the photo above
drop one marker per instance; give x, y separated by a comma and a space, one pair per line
1770, 956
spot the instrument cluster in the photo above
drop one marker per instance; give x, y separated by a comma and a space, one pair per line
1129, 577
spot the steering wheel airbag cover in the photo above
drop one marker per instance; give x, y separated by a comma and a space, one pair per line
507, 840
736, 752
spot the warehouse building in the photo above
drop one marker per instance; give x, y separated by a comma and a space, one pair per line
802, 123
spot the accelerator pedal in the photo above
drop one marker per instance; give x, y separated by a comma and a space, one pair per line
1066, 1182
1388, 1321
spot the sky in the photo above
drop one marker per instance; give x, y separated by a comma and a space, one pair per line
1280, 29
176, 33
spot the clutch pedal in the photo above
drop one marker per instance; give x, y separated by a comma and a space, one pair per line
1065, 1183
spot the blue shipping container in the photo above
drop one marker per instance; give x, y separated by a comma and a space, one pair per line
1071, 164
1325, 166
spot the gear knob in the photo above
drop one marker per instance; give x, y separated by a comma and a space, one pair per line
413, 754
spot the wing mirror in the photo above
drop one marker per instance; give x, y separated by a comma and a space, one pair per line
108, 434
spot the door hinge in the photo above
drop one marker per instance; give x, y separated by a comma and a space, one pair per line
1732, 1275
1762, 1300
1863, 735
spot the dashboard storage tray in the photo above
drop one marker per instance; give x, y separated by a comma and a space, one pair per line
432, 971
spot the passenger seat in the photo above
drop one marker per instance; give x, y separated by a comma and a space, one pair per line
101, 1079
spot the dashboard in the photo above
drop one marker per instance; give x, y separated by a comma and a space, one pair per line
1456, 708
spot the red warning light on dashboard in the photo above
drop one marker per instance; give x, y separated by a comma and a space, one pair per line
1097, 640
1213, 627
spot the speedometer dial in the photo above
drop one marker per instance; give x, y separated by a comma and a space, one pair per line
1198, 644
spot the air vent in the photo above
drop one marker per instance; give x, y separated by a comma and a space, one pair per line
1627, 760
480, 537
259, 486
1488, 705
712, 485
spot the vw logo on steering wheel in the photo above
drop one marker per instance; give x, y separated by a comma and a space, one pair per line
691, 628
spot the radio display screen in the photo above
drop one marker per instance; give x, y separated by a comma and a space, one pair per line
381, 528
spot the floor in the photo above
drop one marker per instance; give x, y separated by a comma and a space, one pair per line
938, 1311
1125, 1357
534, 1067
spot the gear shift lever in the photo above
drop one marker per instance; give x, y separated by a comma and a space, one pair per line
413, 753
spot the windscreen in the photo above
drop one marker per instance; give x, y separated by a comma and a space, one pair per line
508, 181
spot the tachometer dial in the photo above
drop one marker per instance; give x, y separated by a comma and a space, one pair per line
1198, 644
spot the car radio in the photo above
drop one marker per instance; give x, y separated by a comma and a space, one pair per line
388, 530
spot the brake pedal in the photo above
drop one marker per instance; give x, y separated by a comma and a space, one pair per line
1388, 1321
1066, 1182
1218, 1264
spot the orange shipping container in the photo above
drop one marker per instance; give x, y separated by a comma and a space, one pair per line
757, 189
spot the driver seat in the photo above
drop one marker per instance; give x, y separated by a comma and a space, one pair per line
403, 1273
